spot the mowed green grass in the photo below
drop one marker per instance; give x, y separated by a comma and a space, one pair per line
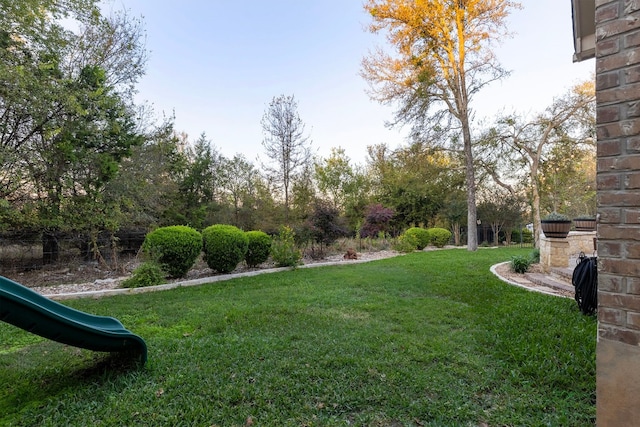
425, 339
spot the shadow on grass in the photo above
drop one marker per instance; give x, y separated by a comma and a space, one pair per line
47, 370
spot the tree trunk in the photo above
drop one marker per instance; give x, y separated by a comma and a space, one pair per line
536, 215
50, 247
470, 180
537, 225
495, 228
455, 228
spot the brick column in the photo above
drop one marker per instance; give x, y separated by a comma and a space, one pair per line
618, 175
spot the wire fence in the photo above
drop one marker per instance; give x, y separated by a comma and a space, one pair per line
29, 251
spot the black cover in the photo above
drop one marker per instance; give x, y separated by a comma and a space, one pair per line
585, 280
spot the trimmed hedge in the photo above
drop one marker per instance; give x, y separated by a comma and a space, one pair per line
258, 249
439, 236
225, 246
175, 248
422, 237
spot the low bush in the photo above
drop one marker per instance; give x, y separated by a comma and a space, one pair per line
422, 236
520, 264
175, 248
225, 246
439, 236
258, 249
283, 250
521, 236
149, 273
407, 242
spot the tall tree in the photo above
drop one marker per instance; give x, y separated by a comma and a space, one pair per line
568, 179
201, 186
285, 144
115, 43
333, 175
502, 211
238, 180
415, 181
569, 120
64, 127
443, 57
147, 186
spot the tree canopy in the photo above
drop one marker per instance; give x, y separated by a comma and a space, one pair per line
285, 144
442, 57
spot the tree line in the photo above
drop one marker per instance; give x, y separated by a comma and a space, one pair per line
80, 156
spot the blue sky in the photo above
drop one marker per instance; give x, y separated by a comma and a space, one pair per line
218, 63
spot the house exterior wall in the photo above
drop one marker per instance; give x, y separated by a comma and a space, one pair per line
618, 176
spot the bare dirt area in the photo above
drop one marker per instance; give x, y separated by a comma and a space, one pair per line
85, 277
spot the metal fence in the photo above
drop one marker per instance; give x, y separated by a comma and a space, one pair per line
28, 251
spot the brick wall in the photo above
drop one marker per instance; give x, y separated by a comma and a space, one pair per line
618, 123
618, 175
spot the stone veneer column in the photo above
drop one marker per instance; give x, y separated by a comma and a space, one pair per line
618, 175
554, 252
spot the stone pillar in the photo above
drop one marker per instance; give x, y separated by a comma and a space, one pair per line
581, 241
554, 252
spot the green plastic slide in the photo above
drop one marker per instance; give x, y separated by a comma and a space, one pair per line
26, 309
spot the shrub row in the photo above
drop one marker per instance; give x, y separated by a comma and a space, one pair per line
419, 238
175, 249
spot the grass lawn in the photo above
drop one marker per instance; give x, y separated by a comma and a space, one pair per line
425, 339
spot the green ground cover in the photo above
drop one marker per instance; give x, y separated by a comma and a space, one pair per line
425, 339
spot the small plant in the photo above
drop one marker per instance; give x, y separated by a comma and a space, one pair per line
258, 249
535, 256
175, 248
520, 264
585, 218
149, 273
406, 243
225, 246
423, 237
439, 236
555, 216
283, 249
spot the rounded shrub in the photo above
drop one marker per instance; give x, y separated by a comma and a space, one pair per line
224, 247
258, 249
175, 248
421, 235
439, 236
406, 242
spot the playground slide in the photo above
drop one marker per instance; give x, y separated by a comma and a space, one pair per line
26, 309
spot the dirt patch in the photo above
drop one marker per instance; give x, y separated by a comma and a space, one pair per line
504, 270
